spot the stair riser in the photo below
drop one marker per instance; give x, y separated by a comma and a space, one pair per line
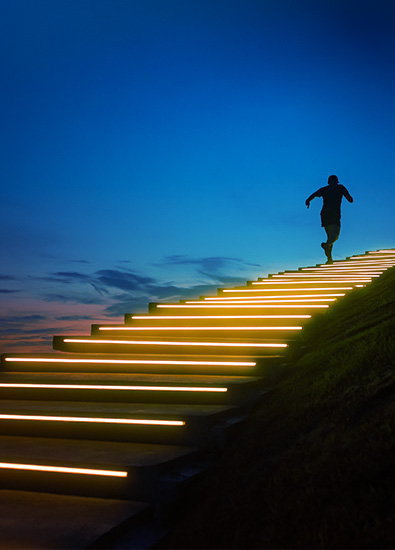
288, 288
195, 432
244, 310
146, 369
234, 395
67, 484
159, 350
141, 484
157, 321
206, 335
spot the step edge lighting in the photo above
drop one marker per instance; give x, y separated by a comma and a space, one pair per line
112, 387
133, 362
92, 420
166, 343
62, 469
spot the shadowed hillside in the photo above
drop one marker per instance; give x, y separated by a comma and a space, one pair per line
314, 466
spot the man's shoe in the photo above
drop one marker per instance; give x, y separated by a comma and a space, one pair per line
326, 249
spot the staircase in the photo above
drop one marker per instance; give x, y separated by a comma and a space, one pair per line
101, 440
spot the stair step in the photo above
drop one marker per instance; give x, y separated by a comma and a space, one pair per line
81, 344
224, 320
234, 309
138, 363
179, 424
203, 333
89, 468
132, 388
269, 291
43, 520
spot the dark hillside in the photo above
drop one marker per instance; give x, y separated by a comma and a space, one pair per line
315, 465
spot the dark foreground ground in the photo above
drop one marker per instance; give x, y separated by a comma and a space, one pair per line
314, 467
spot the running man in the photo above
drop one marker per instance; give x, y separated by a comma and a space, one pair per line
332, 195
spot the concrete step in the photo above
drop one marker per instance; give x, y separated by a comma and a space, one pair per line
90, 468
262, 297
282, 284
43, 520
236, 309
273, 291
143, 363
177, 424
194, 332
92, 344
257, 320
129, 388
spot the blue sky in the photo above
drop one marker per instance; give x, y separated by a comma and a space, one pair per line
157, 149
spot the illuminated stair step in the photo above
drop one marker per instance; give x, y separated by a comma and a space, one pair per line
270, 292
129, 388
216, 320
184, 424
235, 309
152, 364
195, 331
305, 280
385, 251
144, 464
120, 345
70, 521
288, 300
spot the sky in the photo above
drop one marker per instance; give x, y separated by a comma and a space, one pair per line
159, 149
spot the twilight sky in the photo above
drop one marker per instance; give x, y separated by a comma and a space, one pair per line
158, 149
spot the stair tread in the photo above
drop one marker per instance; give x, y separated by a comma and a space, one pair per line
42, 520
125, 356
129, 410
88, 452
124, 378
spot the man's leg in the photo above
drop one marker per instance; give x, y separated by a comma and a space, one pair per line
332, 233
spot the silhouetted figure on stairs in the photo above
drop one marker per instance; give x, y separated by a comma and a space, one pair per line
332, 195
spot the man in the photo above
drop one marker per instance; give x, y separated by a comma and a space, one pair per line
332, 195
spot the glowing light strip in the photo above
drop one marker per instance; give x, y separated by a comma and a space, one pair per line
345, 278
388, 251
370, 262
132, 329
176, 317
132, 362
158, 343
220, 306
267, 298
128, 388
383, 257
231, 290
243, 300
91, 420
62, 469
322, 281
364, 271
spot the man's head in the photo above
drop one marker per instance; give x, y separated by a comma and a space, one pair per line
333, 180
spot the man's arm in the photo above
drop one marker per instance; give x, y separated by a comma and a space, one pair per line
347, 195
316, 194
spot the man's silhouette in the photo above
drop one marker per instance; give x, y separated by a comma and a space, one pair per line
332, 195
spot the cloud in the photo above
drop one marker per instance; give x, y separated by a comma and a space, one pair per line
211, 266
74, 318
7, 291
124, 280
20, 319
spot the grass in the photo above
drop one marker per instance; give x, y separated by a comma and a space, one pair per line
314, 466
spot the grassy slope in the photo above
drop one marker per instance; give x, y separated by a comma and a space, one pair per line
315, 465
